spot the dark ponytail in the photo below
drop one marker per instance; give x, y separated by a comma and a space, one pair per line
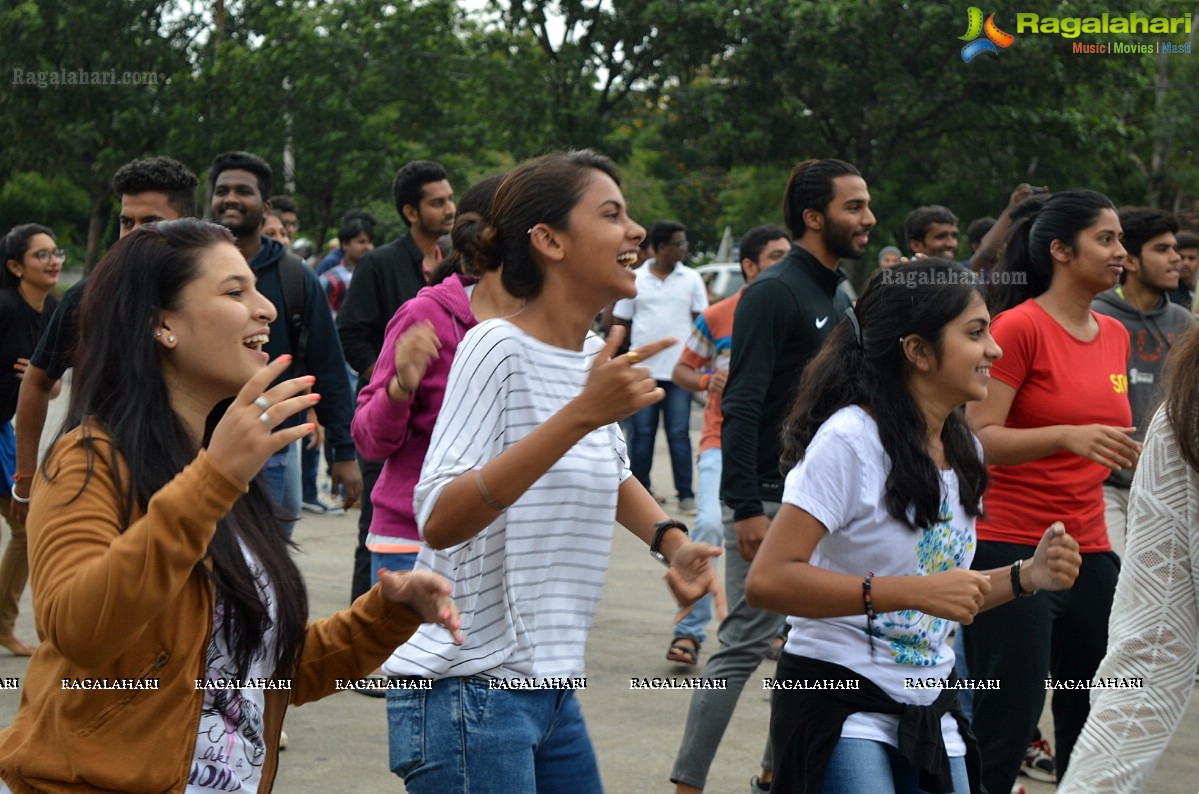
920, 298
1036, 223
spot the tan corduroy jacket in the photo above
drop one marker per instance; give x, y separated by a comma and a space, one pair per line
129, 607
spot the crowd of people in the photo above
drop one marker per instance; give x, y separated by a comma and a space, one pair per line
976, 470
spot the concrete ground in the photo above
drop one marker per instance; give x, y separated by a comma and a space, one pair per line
339, 745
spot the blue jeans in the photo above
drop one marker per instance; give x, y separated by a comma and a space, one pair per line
709, 528
862, 766
676, 412
281, 476
392, 562
463, 736
310, 464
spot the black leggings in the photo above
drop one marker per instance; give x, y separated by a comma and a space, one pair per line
1063, 634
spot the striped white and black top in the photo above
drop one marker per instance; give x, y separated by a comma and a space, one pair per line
527, 586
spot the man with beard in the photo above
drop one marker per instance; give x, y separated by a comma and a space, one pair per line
238, 182
384, 279
782, 320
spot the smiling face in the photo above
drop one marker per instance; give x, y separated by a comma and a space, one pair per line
218, 327
848, 219
237, 202
965, 355
41, 265
1096, 260
940, 239
598, 251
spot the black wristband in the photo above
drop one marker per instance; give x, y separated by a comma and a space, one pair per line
1017, 590
655, 547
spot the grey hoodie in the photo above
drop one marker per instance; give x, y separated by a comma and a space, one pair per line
1151, 335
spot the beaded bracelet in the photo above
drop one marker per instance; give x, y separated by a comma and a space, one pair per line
868, 601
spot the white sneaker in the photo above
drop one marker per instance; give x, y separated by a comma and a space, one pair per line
323, 508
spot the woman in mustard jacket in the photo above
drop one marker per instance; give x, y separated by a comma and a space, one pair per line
173, 620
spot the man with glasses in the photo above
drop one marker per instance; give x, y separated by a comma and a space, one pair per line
154, 189
670, 295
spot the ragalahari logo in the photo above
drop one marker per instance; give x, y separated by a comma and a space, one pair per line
995, 39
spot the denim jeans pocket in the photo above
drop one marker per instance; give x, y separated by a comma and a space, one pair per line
406, 729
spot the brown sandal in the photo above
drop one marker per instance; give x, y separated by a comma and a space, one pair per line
683, 654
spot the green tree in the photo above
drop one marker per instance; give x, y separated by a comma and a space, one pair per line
89, 81
600, 59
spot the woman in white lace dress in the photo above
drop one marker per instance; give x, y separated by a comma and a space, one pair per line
1154, 629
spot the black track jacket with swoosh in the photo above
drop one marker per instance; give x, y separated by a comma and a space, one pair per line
782, 320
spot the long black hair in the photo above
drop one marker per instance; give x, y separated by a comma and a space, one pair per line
920, 298
119, 390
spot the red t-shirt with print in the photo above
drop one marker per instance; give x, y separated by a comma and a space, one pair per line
1059, 380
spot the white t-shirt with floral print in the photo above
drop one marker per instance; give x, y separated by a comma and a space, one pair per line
841, 482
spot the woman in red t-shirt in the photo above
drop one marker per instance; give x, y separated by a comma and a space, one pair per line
1053, 426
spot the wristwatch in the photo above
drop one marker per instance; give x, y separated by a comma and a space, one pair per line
655, 548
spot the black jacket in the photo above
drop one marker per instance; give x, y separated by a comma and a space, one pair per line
782, 320
323, 359
383, 280
807, 724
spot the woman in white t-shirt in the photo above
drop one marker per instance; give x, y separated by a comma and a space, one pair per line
525, 474
870, 553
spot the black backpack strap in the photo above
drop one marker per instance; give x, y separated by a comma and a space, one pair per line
291, 277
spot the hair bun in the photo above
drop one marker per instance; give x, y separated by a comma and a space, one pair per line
477, 240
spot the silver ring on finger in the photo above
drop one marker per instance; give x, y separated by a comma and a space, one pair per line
262, 402
265, 418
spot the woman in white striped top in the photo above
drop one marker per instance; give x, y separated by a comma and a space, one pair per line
525, 474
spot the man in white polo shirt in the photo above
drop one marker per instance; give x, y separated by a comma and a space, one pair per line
670, 295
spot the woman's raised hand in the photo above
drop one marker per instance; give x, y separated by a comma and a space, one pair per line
617, 387
246, 437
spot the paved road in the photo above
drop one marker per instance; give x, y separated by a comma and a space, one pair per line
339, 744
